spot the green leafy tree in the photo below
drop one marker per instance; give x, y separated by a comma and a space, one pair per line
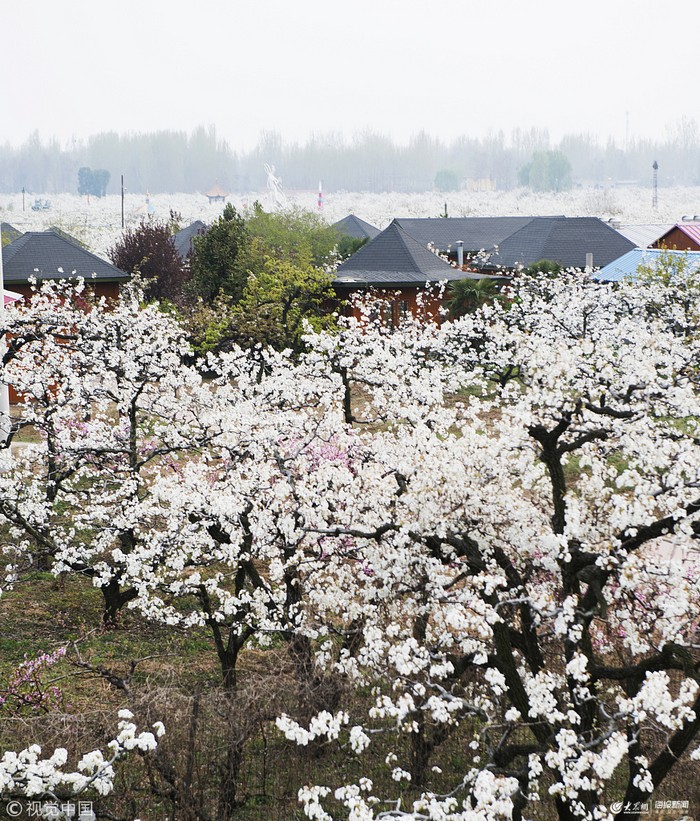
93, 182
259, 280
347, 246
101, 181
543, 266
84, 181
295, 235
672, 270
278, 302
669, 268
174, 221
209, 325
447, 180
149, 250
547, 171
219, 257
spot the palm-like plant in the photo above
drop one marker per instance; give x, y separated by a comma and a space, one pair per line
466, 295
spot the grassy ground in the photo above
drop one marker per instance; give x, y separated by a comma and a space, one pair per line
177, 681
173, 676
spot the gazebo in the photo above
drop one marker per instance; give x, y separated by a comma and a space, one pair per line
216, 194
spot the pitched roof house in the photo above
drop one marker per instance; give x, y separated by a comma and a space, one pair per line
355, 228
50, 255
684, 236
476, 233
183, 239
9, 233
514, 242
397, 262
395, 259
567, 241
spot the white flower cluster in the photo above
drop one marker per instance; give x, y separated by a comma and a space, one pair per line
27, 774
323, 725
655, 700
579, 768
500, 512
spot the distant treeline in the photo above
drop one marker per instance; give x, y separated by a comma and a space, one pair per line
174, 161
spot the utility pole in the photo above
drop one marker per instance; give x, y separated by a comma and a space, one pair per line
122, 201
655, 191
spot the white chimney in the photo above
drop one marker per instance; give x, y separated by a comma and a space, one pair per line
589, 260
460, 253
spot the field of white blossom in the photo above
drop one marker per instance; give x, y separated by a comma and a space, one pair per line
97, 223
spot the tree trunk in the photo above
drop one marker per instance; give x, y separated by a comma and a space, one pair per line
228, 795
114, 600
347, 396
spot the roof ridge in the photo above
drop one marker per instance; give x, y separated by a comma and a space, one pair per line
403, 237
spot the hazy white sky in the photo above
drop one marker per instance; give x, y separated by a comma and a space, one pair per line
449, 67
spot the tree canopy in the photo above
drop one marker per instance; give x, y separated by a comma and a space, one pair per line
149, 250
466, 295
217, 259
265, 275
281, 303
93, 181
447, 180
547, 171
487, 584
294, 235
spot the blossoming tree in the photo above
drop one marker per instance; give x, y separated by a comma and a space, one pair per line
168, 491
502, 558
487, 553
26, 774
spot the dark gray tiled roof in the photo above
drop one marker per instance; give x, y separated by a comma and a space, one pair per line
352, 226
9, 232
565, 240
477, 233
41, 254
524, 240
183, 239
395, 258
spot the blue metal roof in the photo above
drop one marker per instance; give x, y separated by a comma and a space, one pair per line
626, 266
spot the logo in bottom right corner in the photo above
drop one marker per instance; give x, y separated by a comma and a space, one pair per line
662, 809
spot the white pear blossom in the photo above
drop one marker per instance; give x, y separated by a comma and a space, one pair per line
480, 545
